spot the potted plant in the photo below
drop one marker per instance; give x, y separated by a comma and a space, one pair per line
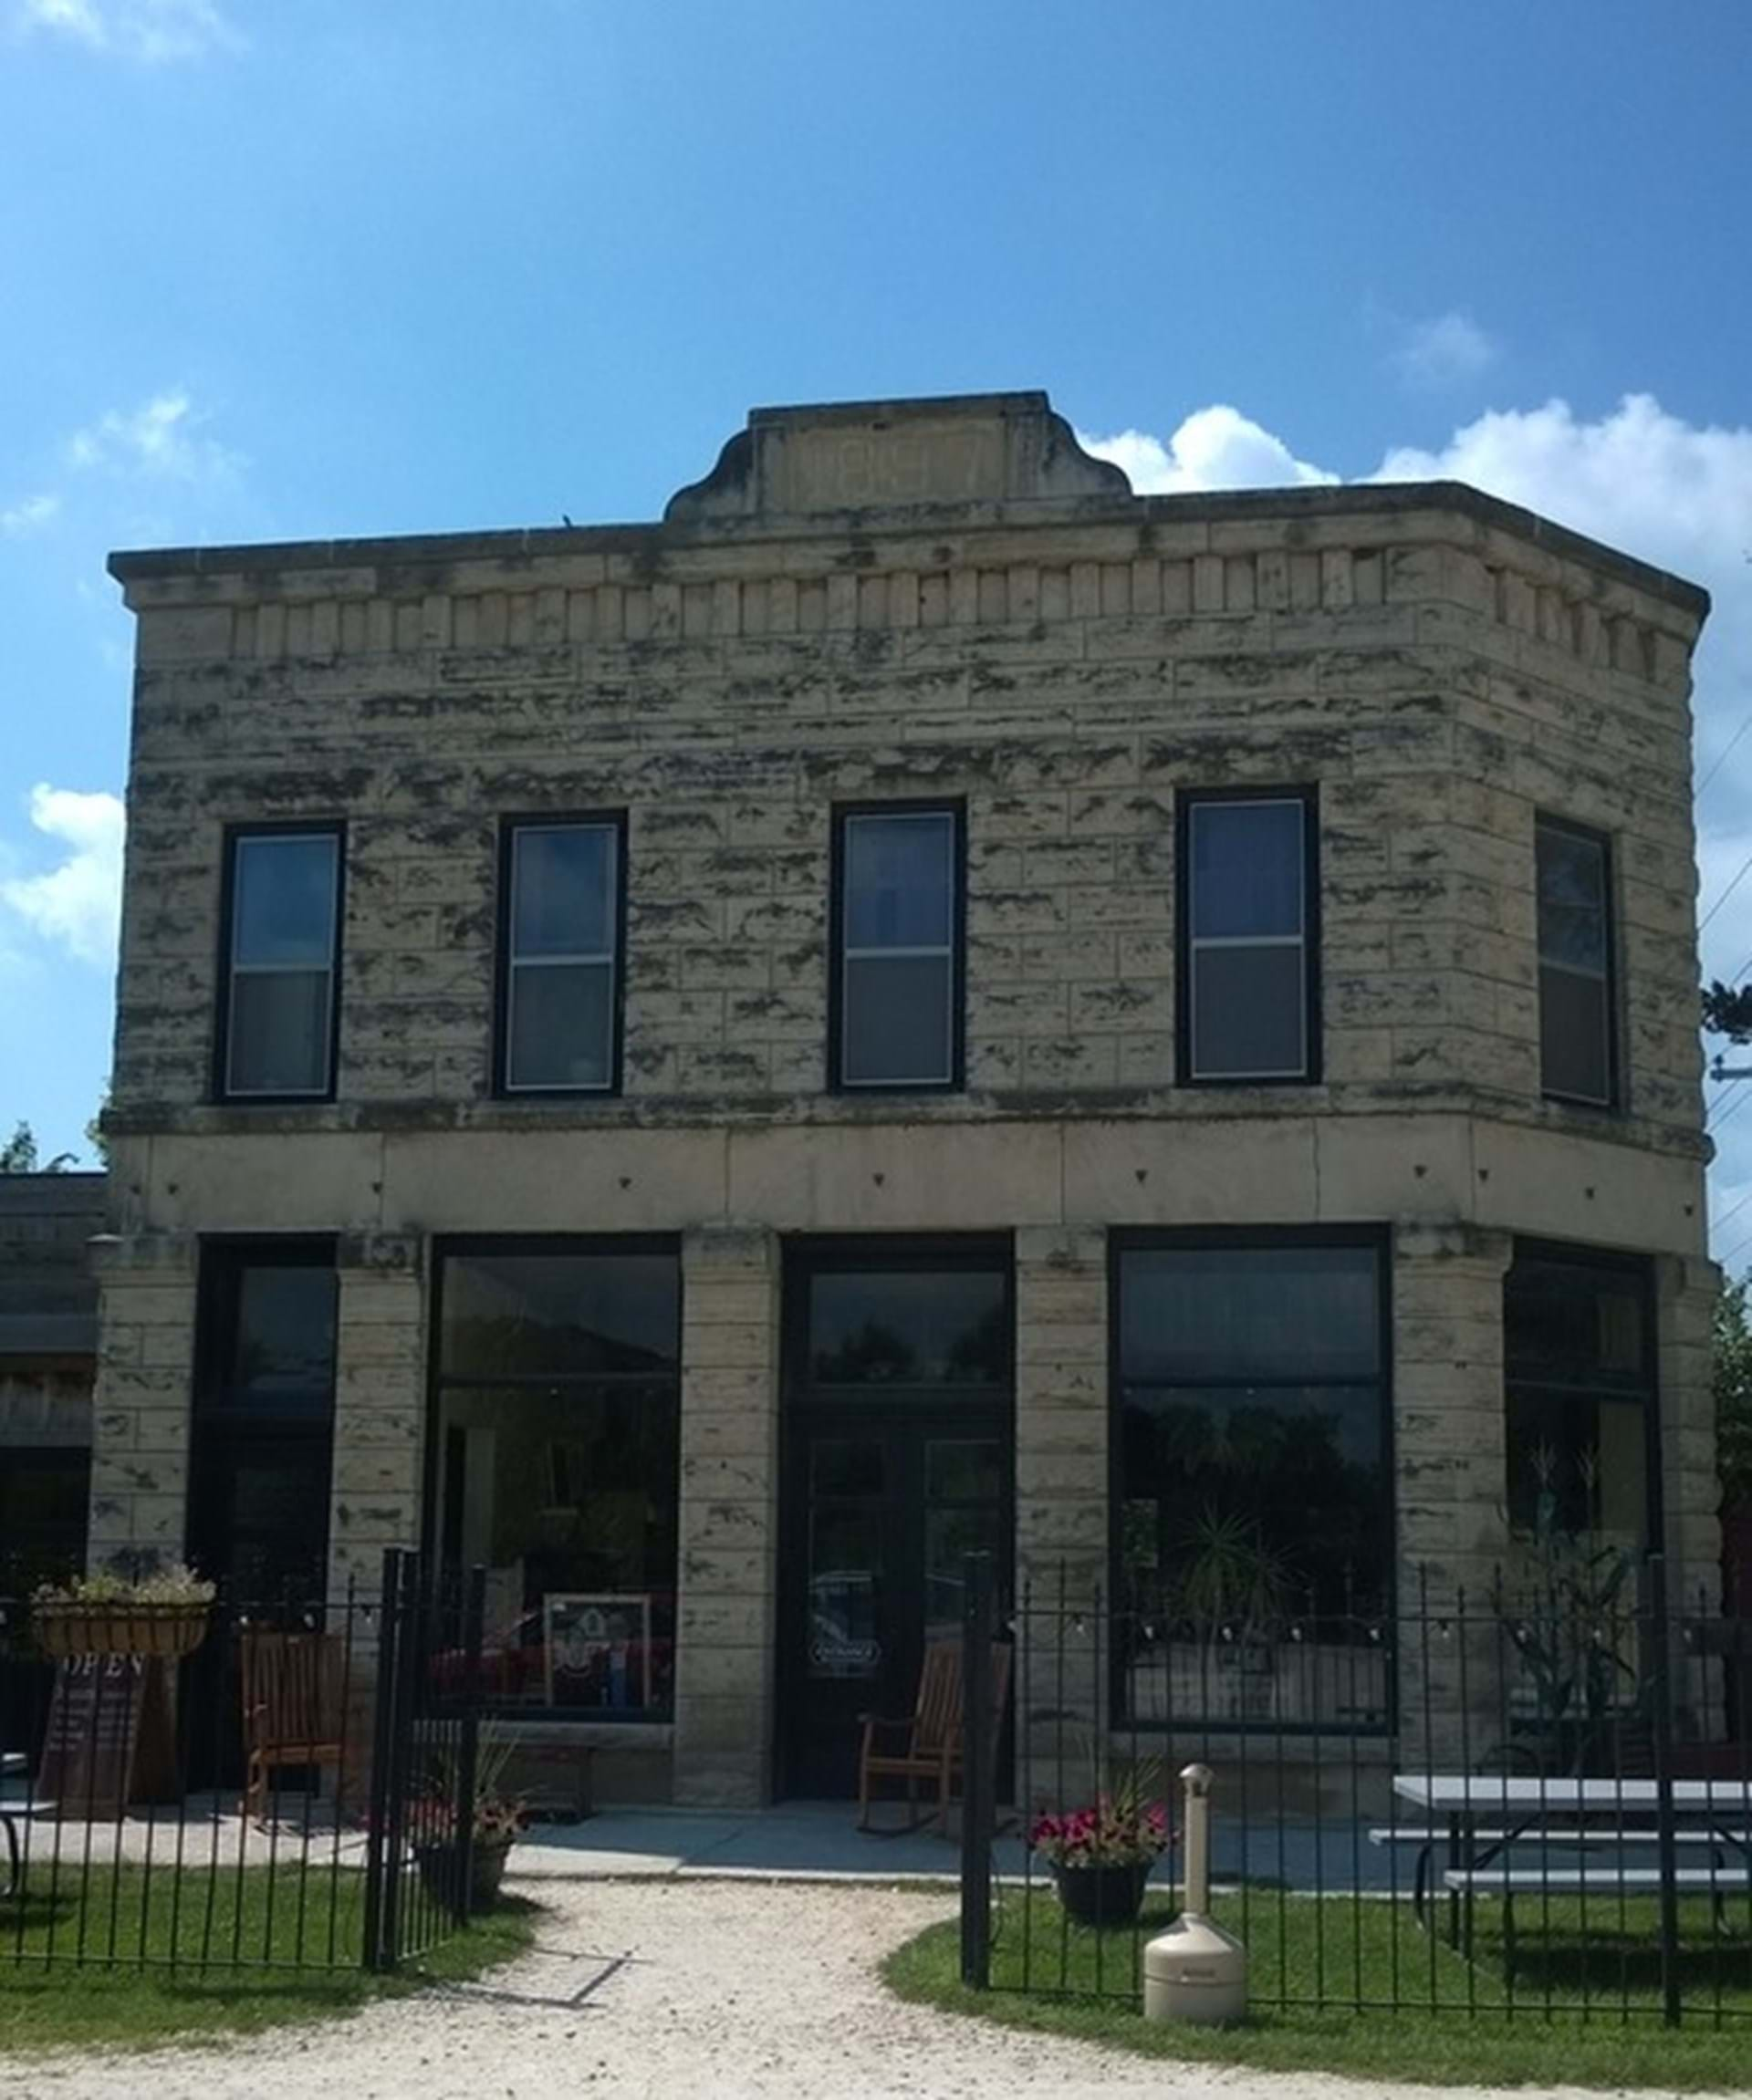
1102, 1854
499, 1820
162, 1614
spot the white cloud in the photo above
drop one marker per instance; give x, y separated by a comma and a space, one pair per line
162, 438
78, 904
28, 515
150, 32
1215, 448
1444, 351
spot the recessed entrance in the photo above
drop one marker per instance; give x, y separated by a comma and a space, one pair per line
898, 1459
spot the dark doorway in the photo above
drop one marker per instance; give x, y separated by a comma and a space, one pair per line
260, 1463
898, 1459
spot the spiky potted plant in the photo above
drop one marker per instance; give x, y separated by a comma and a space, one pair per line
499, 1818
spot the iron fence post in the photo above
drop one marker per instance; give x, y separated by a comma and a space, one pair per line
979, 1630
1666, 1849
377, 1827
468, 1752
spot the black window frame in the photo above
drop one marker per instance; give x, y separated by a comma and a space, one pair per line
955, 807
433, 1513
1186, 801
614, 821
233, 836
1122, 1241
1614, 1102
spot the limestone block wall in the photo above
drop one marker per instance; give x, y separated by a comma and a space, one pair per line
1436, 676
729, 1515
380, 1437
140, 1465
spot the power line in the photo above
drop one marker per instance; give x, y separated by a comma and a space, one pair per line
1717, 1223
1741, 876
1721, 757
1727, 1113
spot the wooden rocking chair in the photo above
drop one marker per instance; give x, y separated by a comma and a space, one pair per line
294, 1697
934, 1734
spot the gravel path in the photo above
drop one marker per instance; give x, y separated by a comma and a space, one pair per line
727, 1989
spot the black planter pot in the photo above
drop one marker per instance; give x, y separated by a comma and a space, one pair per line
1112, 1895
440, 1868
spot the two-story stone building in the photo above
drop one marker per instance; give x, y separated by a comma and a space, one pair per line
924, 1001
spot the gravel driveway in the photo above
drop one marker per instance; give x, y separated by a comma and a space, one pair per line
723, 1989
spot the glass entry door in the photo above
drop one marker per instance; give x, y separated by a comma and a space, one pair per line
897, 1461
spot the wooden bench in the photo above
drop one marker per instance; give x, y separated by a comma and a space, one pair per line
294, 1696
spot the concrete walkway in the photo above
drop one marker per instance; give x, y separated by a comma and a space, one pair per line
819, 1841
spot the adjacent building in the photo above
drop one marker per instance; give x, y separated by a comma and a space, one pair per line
922, 1001
49, 1343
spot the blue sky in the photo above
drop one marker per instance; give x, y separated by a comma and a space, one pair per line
287, 268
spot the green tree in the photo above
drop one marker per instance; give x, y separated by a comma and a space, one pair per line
18, 1155
1733, 1380
94, 1136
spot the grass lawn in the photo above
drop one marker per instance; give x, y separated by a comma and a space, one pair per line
1571, 1973
252, 1921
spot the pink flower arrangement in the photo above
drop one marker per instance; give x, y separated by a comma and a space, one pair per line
1109, 1833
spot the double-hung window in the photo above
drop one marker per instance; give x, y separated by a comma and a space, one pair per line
282, 952
896, 993
1577, 1060
1248, 947
560, 957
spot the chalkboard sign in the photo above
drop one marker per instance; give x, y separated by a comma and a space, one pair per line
110, 1735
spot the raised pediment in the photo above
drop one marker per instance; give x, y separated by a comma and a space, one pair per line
983, 449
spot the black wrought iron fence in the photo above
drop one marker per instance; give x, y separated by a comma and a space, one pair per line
241, 1783
1530, 1798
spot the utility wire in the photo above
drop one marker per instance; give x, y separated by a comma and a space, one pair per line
1721, 758
1715, 1224
1745, 867
1727, 1113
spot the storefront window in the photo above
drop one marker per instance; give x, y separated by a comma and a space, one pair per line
1578, 1358
1253, 1492
558, 1412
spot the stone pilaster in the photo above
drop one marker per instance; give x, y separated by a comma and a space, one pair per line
140, 1456
1686, 1289
1449, 1458
1062, 1484
729, 1515
380, 1406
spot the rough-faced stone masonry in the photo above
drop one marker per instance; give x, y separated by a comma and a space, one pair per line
903, 600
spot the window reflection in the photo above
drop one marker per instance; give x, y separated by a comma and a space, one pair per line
1577, 1348
557, 1426
908, 1327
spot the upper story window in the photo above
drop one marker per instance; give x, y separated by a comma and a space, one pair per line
281, 947
560, 946
1249, 945
1576, 1060
897, 937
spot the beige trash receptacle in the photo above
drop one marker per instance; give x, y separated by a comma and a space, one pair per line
1195, 1970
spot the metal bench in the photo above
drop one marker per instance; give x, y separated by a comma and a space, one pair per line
1543, 1839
